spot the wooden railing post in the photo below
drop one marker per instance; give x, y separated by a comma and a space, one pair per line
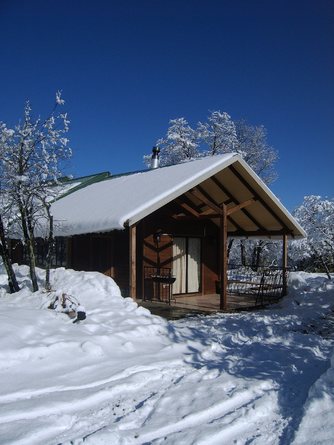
285, 265
223, 258
132, 261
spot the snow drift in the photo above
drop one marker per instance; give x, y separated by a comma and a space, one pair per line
124, 376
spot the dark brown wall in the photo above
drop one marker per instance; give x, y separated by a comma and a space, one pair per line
106, 253
170, 227
109, 253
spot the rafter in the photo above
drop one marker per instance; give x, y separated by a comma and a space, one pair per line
187, 207
240, 206
201, 194
206, 217
231, 196
262, 201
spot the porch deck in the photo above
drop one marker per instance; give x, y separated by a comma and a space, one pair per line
247, 289
189, 305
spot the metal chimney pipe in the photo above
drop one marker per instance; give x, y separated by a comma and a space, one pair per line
155, 158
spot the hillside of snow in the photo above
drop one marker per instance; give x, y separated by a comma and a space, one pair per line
124, 376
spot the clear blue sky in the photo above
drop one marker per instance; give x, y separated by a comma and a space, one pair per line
127, 67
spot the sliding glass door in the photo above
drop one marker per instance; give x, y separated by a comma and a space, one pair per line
186, 265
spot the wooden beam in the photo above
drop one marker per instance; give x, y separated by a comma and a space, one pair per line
231, 196
240, 206
258, 233
262, 201
285, 264
236, 201
187, 207
208, 212
200, 194
223, 259
211, 216
132, 261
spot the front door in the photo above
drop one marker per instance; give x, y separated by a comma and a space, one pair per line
186, 265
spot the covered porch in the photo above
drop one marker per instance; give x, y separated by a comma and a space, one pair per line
231, 203
247, 289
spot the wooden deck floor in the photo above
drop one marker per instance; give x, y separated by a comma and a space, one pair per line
189, 305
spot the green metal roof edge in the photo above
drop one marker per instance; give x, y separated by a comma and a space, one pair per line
91, 179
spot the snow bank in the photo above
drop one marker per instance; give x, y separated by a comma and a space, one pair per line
316, 425
51, 370
126, 377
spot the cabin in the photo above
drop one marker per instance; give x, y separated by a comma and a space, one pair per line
162, 233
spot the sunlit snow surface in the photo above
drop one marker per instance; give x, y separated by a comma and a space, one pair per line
123, 376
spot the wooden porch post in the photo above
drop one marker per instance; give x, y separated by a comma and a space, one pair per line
285, 264
132, 261
223, 258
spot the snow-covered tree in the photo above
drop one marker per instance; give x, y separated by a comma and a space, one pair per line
180, 144
218, 134
254, 148
316, 216
255, 253
4, 250
30, 166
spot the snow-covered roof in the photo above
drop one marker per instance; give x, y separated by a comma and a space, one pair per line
117, 201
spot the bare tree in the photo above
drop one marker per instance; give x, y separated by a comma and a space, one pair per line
218, 134
4, 250
179, 145
316, 215
254, 148
32, 155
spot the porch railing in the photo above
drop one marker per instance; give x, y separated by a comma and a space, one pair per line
265, 284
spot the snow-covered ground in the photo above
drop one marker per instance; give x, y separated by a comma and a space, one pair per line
123, 376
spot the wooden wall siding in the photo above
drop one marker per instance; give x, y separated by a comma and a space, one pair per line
204, 229
121, 260
106, 253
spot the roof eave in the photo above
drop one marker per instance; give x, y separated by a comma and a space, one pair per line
155, 204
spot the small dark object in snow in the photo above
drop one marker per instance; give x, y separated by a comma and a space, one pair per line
81, 314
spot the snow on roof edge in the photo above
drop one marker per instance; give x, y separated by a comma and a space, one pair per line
273, 197
159, 201
163, 199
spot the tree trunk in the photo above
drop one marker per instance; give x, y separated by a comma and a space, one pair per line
32, 257
50, 248
29, 245
325, 267
229, 247
256, 254
242, 253
4, 252
323, 262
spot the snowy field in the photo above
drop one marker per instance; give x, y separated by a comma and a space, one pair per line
123, 376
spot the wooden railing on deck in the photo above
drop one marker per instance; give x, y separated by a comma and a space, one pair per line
264, 284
